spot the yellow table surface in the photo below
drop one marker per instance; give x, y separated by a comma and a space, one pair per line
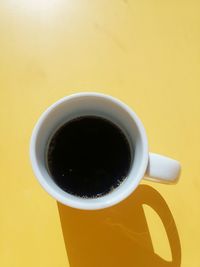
146, 53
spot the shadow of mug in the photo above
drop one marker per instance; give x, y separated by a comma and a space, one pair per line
118, 236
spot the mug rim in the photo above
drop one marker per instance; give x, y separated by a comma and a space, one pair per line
79, 203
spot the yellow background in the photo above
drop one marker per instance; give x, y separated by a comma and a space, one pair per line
146, 53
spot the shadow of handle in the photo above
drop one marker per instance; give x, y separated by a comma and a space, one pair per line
158, 204
111, 237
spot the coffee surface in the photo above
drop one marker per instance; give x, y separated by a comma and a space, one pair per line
89, 156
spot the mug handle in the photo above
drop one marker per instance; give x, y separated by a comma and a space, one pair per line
162, 169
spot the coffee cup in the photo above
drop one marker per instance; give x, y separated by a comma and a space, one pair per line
145, 165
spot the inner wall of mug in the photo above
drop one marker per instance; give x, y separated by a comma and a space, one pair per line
96, 105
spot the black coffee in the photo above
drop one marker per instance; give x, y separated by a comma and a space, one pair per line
89, 156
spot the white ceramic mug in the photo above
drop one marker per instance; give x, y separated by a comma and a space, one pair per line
145, 165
